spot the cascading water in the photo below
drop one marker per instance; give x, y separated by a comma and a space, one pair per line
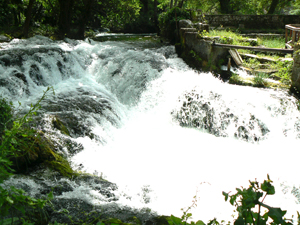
159, 130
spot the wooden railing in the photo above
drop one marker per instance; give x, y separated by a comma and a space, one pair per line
292, 34
257, 49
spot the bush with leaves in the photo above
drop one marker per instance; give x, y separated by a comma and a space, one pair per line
15, 205
245, 200
168, 22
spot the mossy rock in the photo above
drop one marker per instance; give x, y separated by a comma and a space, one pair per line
36, 149
62, 166
33, 148
58, 124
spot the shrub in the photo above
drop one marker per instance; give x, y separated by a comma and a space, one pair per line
246, 200
168, 22
15, 205
6, 114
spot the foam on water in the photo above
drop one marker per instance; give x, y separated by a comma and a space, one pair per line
152, 150
156, 162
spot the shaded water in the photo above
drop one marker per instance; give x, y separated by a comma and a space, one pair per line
155, 127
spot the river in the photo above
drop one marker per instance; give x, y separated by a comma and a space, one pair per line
158, 129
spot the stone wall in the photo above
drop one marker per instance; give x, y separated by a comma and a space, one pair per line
199, 52
252, 21
295, 88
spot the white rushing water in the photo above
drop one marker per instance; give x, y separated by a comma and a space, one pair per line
155, 161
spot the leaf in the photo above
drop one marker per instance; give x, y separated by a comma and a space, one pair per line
239, 190
9, 221
269, 180
239, 221
276, 214
13, 140
175, 220
200, 222
226, 195
9, 200
188, 215
50, 195
232, 199
268, 187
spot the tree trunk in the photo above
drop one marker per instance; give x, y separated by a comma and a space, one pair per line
180, 5
85, 18
225, 6
273, 6
65, 15
171, 4
145, 8
155, 16
28, 18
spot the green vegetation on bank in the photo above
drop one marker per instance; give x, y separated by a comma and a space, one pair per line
262, 65
18, 148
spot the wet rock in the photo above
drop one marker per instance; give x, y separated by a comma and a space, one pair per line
35, 149
71, 113
212, 114
35, 74
15, 83
4, 38
21, 76
185, 24
58, 124
10, 59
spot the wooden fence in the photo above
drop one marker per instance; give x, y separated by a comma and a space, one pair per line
292, 34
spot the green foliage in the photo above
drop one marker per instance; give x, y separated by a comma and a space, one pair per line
272, 42
168, 22
227, 37
285, 71
259, 79
6, 115
173, 220
235, 79
245, 200
20, 207
14, 203
195, 56
118, 13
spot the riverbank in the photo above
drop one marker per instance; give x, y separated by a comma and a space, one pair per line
260, 70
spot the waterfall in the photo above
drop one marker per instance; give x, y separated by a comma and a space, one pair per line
155, 127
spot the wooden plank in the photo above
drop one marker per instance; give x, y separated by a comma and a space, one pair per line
295, 27
257, 49
260, 59
288, 46
236, 57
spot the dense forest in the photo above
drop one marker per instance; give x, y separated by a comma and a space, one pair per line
71, 18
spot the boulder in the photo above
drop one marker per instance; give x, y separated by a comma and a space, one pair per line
201, 27
185, 24
208, 111
3, 38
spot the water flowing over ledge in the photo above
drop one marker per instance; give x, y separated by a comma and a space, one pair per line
141, 118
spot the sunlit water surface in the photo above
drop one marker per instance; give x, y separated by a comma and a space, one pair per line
156, 162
